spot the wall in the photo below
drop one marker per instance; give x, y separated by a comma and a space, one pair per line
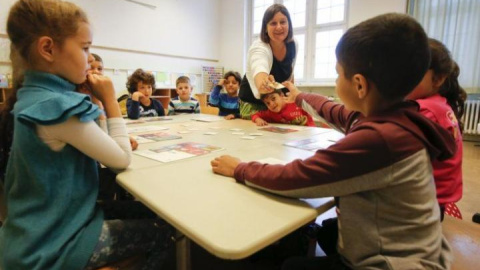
233, 35
361, 10
176, 36
181, 36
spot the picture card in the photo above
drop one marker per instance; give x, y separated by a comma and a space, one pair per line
278, 129
178, 151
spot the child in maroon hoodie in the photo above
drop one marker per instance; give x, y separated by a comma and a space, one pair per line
380, 172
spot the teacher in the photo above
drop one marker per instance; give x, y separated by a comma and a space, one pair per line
273, 54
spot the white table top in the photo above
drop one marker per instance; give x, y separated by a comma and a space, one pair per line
230, 220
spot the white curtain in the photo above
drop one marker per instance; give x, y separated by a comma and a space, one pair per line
457, 24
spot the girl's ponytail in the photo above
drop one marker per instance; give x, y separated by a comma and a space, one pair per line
454, 93
442, 64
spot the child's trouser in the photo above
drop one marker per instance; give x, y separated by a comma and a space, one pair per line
131, 229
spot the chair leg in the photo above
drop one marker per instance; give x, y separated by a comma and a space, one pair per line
476, 218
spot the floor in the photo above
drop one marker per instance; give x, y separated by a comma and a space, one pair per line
468, 205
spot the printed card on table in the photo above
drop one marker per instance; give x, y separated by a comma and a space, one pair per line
178, 151
157, 118
278, 129
322, 141
203, 118
310, 144
134, 121
156, 137
140, 129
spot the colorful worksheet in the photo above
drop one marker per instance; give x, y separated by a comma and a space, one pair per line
178, 151
278, 129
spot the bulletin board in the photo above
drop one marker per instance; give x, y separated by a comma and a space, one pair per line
210, 77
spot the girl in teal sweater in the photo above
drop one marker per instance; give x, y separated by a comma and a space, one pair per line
51, 181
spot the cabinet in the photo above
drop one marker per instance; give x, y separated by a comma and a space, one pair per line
164, 95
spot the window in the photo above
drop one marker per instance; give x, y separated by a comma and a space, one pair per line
259, 8
457, 25
317, 26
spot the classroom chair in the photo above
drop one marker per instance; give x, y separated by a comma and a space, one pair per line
122, 102
202, 99
209, 110
452, 210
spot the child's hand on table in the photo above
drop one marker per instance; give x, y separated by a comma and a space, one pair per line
225, 165
260, 122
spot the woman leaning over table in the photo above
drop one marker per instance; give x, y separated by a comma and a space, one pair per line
274, 53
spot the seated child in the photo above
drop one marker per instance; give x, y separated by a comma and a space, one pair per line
279, 111
227, 103
140, 85
183, 103
441, 99
380, 172
108, 187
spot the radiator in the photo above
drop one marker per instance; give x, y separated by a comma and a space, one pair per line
471, 118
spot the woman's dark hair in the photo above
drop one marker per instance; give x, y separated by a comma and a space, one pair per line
442, 64
139, 76
235, 74
268, 16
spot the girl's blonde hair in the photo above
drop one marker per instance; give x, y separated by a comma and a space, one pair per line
28, 20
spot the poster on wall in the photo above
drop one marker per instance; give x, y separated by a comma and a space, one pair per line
210, 77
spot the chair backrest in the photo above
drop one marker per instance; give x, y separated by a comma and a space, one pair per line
209, 110
202, 99
122, 102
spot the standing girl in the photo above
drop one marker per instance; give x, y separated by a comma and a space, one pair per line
51, 180
271, 58
442, 100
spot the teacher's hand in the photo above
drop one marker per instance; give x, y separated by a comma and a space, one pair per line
267, 85
225, 165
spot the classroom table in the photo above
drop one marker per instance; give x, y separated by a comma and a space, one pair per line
230, 220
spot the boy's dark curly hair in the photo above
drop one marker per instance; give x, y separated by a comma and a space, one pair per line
139, 76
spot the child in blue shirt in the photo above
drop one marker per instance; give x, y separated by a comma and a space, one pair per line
140, 85
227, 102
183, 103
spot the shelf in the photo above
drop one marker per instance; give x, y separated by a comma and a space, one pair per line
164, 95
